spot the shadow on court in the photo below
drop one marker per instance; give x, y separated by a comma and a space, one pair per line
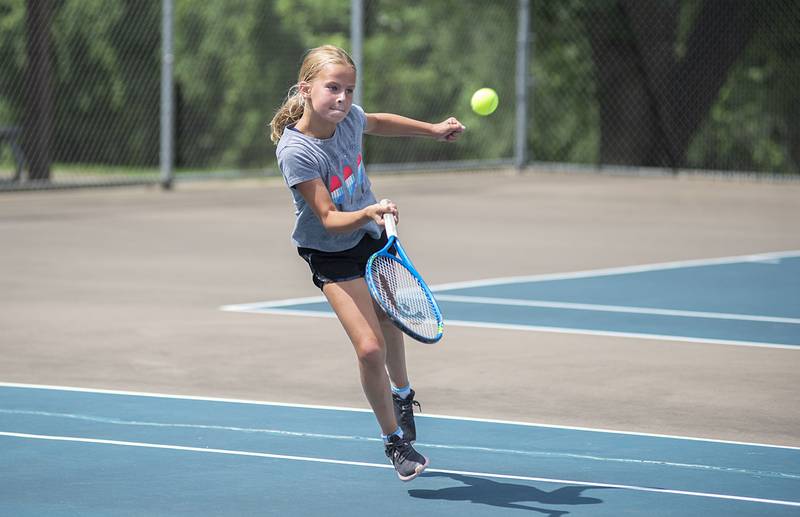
506, 495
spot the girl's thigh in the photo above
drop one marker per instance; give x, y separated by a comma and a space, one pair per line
353, 306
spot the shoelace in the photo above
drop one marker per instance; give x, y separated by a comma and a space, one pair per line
405, 405
399, 451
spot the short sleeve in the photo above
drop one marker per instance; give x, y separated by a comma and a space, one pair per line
360, 116
297, 166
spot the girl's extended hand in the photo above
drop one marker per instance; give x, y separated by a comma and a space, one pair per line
448, 130
386, 206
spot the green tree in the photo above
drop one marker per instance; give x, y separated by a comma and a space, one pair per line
234, 65
12, 60
652, 100
754, 123
425, 59
108, 74
698, 83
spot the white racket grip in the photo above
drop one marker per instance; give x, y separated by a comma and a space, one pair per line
391, 227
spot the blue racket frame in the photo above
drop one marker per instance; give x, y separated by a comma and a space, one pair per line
403, 259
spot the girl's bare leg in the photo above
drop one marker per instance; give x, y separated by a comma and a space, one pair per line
395, 350
353, 305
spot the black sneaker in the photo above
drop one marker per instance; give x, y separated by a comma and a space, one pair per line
407, 462
404, 413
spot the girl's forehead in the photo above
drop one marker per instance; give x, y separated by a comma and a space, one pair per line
343, 74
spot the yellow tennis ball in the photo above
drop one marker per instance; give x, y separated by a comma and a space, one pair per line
484, 101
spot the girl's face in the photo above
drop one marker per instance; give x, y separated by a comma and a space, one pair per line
331, 92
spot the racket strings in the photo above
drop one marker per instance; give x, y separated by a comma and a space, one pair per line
403, 297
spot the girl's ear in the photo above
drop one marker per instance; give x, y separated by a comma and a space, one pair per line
304, 88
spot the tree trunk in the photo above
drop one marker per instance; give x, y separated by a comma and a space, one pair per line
651, 102
629, 123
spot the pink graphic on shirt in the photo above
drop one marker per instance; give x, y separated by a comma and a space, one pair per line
361, 172
349, 179
337, 192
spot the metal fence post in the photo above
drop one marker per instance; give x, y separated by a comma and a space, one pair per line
167, 114
521, 133
357, 43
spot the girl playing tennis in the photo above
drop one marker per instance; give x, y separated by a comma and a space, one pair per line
318, 131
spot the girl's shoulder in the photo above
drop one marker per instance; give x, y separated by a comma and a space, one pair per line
295, 142
358, 116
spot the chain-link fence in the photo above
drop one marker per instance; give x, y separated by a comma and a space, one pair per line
703, 84
674, 84
78, 92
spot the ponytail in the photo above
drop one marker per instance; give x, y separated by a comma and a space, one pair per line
290, 112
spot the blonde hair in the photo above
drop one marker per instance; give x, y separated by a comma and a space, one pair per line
314, 61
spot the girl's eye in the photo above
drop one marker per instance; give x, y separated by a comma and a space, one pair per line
333, 88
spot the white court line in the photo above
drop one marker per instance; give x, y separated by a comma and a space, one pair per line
767, 258
245, 307
385, 466
613, 308
361, 410
255, 309
759, 474
276, 306
609, 333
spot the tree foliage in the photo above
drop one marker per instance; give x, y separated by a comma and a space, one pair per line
236, 59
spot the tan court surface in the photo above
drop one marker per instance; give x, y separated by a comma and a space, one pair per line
121, 289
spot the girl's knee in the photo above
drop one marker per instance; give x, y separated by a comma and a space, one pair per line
370, 352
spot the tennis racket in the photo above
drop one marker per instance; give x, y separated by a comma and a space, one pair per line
401, 292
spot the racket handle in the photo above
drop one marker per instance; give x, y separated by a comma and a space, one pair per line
391, 227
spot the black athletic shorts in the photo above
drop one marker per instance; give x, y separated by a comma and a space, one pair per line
340, 266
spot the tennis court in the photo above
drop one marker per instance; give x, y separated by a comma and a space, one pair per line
602, 354
749, 300
196, 456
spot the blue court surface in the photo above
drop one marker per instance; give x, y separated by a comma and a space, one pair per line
67, 451
751, 300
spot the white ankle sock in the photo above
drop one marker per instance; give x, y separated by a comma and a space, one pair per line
398, 432
403, 392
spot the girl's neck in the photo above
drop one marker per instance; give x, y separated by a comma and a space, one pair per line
312, 126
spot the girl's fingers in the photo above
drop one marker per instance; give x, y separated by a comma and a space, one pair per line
388, 206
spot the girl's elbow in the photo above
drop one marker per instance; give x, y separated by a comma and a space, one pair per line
330, 225
334, 229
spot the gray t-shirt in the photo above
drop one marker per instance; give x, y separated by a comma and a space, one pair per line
339, 163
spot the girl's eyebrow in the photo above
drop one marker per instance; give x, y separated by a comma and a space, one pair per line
334, 83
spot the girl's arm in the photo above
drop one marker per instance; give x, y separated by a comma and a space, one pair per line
319, 199
389, 124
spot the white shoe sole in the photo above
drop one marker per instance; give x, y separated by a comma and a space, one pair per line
417, 471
